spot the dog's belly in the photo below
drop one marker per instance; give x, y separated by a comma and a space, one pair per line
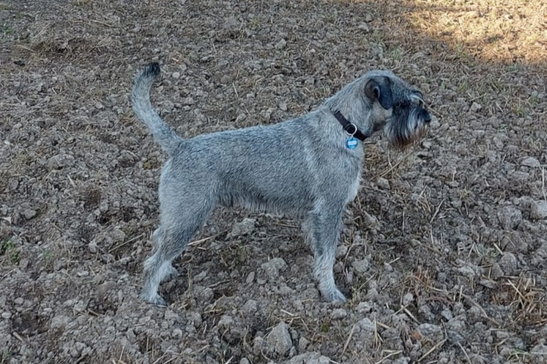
278, 208
290, 201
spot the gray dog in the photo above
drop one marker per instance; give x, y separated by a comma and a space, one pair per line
308, 167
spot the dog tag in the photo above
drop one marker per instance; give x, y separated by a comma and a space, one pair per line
351, 143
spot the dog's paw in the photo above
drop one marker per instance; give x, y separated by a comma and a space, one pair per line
335, 296
155, 299
171, 273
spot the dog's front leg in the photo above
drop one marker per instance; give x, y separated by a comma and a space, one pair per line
326, 224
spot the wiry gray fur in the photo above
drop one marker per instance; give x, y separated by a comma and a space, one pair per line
300, 168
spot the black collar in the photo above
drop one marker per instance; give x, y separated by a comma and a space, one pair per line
349, 127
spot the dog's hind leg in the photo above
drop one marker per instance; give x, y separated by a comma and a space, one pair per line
157, 238
176, 229
326, 224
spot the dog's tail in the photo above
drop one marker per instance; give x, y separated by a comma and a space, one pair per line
140, 99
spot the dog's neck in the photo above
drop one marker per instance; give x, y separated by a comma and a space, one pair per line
355, 111
349, 127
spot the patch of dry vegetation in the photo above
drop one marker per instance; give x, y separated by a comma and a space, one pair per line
495, 31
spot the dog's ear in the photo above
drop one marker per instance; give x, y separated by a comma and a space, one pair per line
379, 89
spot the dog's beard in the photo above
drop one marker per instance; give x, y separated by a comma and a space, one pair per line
402, 134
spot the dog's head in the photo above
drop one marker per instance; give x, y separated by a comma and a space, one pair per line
396, 107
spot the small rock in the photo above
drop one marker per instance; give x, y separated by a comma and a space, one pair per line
29, 213
177, 334
367, 329
496, 271
530, 162
540, 255
281, 44
539, 353
368, 18
279, 339
176, 75
200, 276
250, 307
367, 325
225, 321
92, 247
383, 183
6, 315
170, 315
117, 235
509, 217
364, 27
23, 263
303, 344
435, 123
407, 299
488, 283
194, 318
370, 221
538, 210
104, 289
475, 107
76, 350
361, 266
258, 344
467, 269
309, 358
60, 161
508, 263
250, 278
502, 334
283, 106
240, 118
244, 361
432, 332
341, 251
338, 314
59, 321
447, 314
272, 267
364, 307
244, 227
204, 294
225, 79
188, 101
130, 334
267, 114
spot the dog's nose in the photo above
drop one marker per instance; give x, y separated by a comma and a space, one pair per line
426, 116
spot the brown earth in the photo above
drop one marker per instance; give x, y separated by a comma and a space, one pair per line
444, 253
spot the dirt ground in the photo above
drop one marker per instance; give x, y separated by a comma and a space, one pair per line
444, 254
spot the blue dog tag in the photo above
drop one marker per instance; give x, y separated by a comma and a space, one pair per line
351, 143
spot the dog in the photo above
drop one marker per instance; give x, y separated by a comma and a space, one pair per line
308, 168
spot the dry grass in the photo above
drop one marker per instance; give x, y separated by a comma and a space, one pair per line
499, 31
527, 300
505, 31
